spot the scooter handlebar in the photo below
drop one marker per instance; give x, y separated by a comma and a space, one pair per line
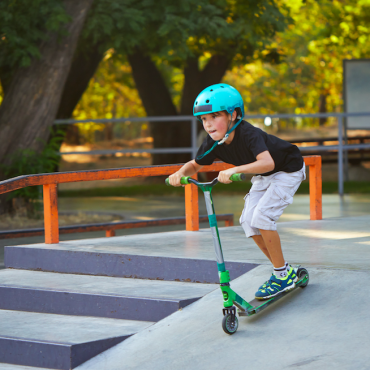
238, 177
185, 180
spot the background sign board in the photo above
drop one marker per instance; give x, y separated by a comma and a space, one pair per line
356, 90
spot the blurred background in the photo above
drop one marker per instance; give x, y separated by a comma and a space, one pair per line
81, 78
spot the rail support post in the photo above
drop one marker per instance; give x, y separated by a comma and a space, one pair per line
110, 233
314, 164
191, 206
51, 214
229, 223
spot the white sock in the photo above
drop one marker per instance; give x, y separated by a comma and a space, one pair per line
281, 272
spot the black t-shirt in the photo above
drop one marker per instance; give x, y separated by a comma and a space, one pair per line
248, 142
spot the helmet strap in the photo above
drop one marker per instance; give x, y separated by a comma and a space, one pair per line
223, 139
229, 131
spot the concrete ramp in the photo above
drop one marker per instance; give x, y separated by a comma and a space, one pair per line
323, 326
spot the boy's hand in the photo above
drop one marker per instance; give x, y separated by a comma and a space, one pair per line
224, 176
175, 179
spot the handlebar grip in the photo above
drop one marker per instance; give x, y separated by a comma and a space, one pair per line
238, 177
183, 181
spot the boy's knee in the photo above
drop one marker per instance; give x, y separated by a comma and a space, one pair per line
262, 220
248, 228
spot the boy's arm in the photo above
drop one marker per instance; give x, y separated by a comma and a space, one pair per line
188, 169
263, 164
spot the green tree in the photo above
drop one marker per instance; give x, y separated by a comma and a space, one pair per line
308, 76
34, 61
201, 39
46, 66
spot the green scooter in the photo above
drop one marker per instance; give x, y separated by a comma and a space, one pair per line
231, 298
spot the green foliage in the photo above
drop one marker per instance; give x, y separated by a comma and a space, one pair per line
312, 50
23, 25
286, 53
170, 34
27, 161
111, 93
203, 28
187, 28
114, 24
276, 68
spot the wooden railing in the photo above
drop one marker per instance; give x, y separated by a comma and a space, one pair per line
51, 180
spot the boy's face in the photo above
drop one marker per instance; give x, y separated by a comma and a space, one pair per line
216, 124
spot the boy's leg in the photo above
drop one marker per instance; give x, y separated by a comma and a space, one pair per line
251, 201
258, 239
267, 212
278, 195
272, 244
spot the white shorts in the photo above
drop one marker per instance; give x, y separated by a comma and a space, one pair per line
267, 199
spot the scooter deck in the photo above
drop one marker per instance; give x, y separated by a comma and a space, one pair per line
259, 305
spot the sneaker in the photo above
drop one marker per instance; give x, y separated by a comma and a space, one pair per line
275, 286
264, 285
292, 272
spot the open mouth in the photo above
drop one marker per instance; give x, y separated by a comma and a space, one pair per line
211, 131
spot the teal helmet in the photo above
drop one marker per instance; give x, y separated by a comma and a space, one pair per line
216, 98
219, 97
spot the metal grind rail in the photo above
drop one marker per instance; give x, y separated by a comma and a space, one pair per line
50, 181
341, 147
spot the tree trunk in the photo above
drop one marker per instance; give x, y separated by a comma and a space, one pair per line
6, 74
196, 80
322, 108
157, 101
31, 102
83, 68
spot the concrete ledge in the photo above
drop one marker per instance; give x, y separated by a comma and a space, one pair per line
4, 366
59, 341
70, 303
119, 264
62, 356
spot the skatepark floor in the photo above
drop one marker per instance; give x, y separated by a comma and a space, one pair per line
323, 326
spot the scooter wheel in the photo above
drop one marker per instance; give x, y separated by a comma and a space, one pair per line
301, 273
229, 325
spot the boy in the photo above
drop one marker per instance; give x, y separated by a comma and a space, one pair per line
278, 165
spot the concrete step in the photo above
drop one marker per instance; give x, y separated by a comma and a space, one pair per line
19, 367
148, 258
101, 296
59, 341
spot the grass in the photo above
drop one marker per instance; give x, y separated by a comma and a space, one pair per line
328, 187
